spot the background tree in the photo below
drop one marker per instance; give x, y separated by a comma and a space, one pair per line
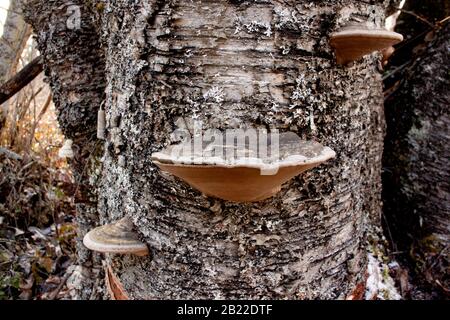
416, 160
14, 38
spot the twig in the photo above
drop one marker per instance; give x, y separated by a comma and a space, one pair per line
436, 259
38, 119
21, 79
417, 17
60, 286
395, 70
443, 21
10, 154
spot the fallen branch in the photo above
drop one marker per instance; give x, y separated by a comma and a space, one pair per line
21, 79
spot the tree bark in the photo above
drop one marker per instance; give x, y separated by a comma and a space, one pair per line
232, 64
75, 68
417, 157
16, 33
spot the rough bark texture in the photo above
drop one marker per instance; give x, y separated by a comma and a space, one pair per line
417, 156
241, 64
75, 68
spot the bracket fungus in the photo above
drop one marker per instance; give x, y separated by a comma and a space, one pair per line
117, 237
353, 42
238, 172
66, 150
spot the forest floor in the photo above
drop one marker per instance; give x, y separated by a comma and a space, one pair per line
37, 230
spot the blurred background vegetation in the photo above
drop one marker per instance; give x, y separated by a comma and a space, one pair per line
36, 188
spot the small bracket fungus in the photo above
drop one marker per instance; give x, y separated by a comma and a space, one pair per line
117, 237
353, 42
242, 172
66, 149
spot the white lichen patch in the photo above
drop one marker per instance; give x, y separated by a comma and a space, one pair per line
262, 27
214, 94
286, 18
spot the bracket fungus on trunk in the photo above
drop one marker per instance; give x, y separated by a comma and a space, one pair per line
117, 237
241, 172
353, 42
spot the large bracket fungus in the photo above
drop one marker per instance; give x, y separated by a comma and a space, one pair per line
117, 237
240, 172
353, 42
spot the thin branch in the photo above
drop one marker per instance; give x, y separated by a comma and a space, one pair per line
417, 17
21, 79
36, 121
444, 20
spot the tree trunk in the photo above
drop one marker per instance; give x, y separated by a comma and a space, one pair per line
12, 43
75, 66
234, 64
164, 62
417, 157
14, 38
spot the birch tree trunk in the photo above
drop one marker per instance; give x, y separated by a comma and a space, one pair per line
417, 157
16, 33
12, 43
233, 64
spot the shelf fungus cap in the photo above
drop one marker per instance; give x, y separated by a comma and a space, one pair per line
117, 237
240, 172
353, 42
